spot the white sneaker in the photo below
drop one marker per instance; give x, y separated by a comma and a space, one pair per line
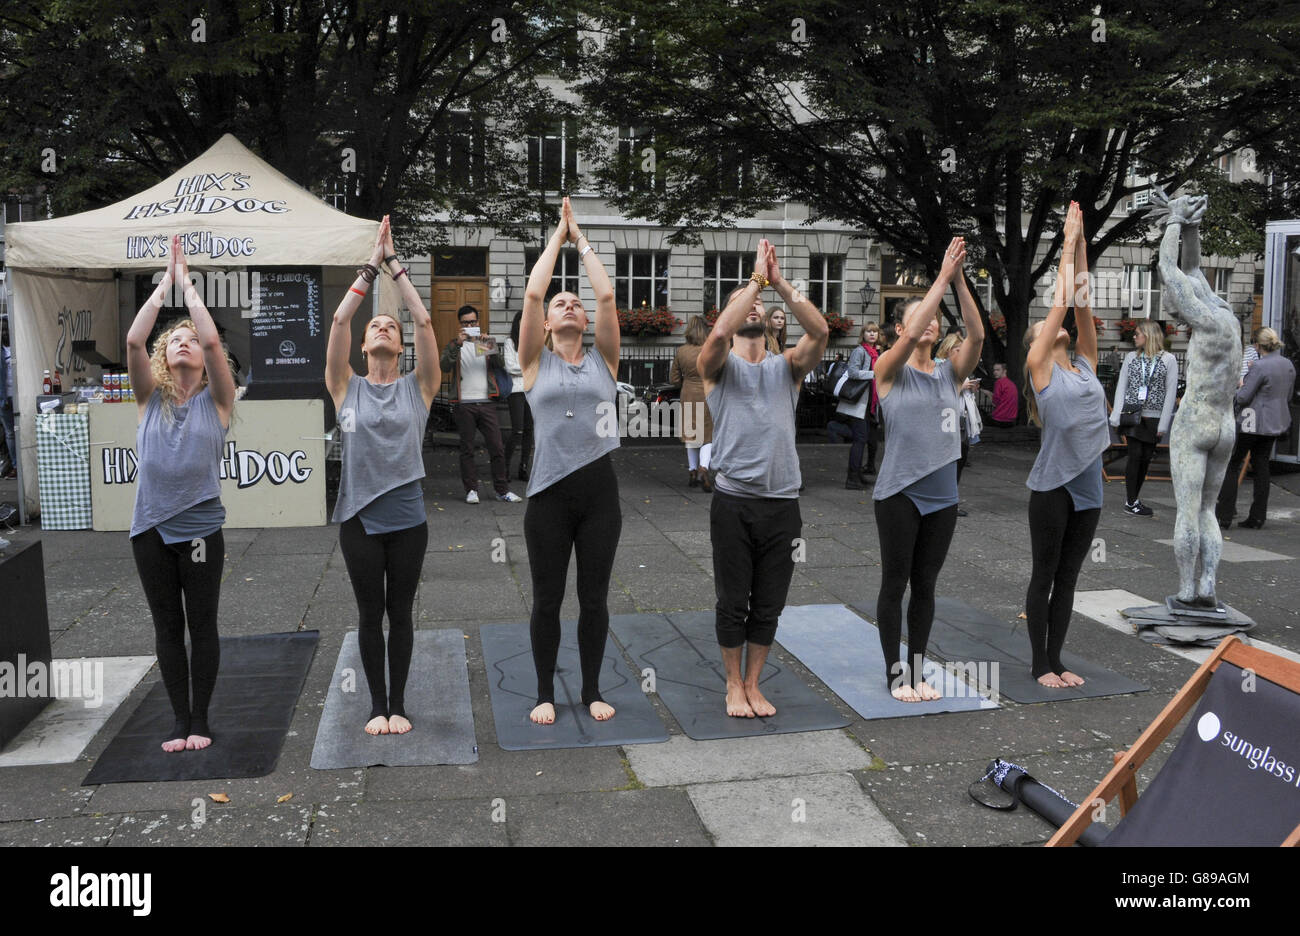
510, 497
471, 497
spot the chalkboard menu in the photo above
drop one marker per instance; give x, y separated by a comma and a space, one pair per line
286, 331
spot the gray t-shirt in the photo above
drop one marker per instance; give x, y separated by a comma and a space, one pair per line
753, 408
179, 459
921, 416
383, 434
570, 426
1072, 409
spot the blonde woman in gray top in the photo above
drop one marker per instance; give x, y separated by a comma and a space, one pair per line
1144, 406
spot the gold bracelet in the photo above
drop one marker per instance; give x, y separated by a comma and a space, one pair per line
759, 278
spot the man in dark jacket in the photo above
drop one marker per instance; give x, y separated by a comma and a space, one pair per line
469, 359
1264, 415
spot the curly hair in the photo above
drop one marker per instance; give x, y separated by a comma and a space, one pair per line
161, 373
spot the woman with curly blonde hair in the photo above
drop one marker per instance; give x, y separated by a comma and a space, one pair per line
185, 393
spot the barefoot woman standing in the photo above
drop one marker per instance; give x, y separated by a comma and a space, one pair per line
384, 531
184, 397
572, 490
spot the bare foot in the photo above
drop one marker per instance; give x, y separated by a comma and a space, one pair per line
544, 714
197, 742
1070, 679
377, 725
905, 694
737, 703
174, 745
1052, 681
601, 711
927, 692
762, 708
397, 724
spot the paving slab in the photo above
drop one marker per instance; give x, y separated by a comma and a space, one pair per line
205, 823
395, 825
682, 761
625, 817
1240, 552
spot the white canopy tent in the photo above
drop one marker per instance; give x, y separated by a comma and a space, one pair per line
232, 209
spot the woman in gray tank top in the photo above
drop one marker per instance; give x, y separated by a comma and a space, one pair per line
572, 490
915, 496
185, 394
383, 532
1068, 401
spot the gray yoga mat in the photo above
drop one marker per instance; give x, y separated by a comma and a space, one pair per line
844, 651
682, 649
512, 681
437, 704
963, 634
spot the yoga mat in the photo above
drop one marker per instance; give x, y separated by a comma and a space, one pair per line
257, 688
844, 652
682, 649
437, 704
512, 682
963, 634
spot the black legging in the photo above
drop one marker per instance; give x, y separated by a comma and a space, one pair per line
1060, 538
864, 437
913, 552
182, 583
385, 572
579, 513
1260, 448
521, 431
1135, 469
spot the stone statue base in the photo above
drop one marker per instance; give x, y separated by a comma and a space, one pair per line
1196, 612
1197, 627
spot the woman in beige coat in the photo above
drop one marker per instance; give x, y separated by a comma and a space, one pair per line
697, 421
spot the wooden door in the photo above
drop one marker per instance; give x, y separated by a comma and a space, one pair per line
448, 295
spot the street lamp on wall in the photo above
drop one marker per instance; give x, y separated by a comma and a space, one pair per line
867, 292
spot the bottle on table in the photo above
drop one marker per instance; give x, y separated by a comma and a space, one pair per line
46, 386
58, 383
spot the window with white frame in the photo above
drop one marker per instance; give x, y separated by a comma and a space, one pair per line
826, 282
638, 164
641, 279
1141, 199
565, 276
553, 158
1220, 280
1141, 293
723, 272
458, 152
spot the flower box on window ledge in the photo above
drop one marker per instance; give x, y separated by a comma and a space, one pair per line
645, 322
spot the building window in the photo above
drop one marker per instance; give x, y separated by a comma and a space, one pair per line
1141, 199
638, 165
723, 272
565, 276
460, 261
735, 174
641, 279
553, 158
459, 152
1220, 280
826, 282
984, 289
1141, 296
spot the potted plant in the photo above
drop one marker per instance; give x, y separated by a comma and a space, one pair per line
645, 322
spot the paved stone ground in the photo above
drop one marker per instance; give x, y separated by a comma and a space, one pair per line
885, 782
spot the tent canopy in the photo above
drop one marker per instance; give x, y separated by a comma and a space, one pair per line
232, 208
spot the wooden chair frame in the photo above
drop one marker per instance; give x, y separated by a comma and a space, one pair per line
1122, 779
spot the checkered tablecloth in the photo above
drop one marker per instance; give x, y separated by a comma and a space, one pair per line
63, 470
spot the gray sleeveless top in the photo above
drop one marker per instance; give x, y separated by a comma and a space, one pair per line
179, 459
922, 421
564, 443
1072, 408
382, 447
753, 428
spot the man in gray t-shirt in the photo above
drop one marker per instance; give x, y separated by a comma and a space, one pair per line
754, 517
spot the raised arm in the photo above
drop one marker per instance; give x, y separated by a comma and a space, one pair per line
427, 370
718, 345
891, 362
221, 383
967, 357
1085, 325
137, 337
338, 371
807, 352
1039, 356
607, 332
532, 326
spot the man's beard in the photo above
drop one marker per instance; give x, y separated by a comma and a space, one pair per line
751, 329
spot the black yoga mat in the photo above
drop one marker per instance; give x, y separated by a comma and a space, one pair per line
512, 682
437, 704
257, 688
682, 649
964, 634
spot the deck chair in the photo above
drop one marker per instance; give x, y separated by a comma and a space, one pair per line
1233, 779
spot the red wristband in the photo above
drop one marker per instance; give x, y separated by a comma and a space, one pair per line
357, 291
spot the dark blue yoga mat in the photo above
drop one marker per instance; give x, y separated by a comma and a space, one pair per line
844, 652
682, 649
512, 682
252, 706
